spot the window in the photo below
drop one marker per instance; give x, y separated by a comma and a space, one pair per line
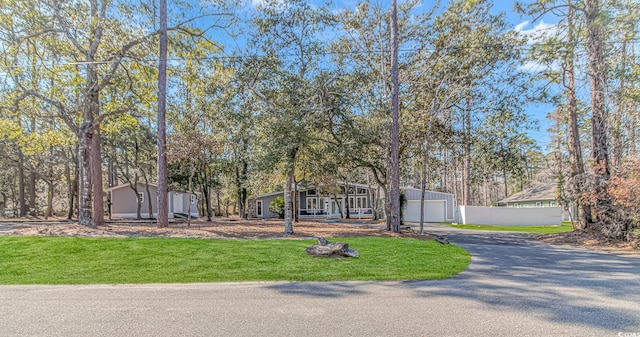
312, 203
312, 192
538, 204
362, 191
141, 197
259, 208
352, 203
193, 198
361, 202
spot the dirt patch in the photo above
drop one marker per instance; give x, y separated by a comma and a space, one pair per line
228, 228
592, 239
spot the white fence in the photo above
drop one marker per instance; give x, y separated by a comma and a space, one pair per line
509, 216
434, 211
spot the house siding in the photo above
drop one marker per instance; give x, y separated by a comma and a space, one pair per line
124, 200
124, 203
266, 200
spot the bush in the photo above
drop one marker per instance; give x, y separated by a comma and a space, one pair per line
277, 206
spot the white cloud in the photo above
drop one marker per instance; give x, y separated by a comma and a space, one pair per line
539, 32
534, 34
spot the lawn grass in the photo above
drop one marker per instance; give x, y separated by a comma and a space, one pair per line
65, 260
565, 227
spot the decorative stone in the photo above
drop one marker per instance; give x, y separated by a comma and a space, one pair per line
324, 248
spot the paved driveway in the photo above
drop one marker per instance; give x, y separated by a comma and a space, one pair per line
515, 286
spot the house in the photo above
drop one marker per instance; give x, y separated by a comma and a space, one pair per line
315, 203
540, 195
124, 202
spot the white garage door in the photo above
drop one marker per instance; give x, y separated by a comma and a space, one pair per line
434, 211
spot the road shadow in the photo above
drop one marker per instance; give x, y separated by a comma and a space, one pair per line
319, 289
516, 272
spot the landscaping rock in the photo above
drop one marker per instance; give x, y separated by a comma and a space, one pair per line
324, 248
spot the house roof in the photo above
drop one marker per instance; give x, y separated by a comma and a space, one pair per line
538, 192
117, 187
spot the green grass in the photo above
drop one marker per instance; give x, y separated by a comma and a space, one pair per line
64, 260
566, 227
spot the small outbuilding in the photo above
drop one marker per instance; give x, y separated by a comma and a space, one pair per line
438, 206
123, 202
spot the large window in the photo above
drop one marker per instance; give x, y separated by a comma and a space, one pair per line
312, 203
259, 207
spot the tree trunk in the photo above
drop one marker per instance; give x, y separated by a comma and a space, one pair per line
84, 176
207, 200
191, 174
288, 213
373, 202
597, 79
339, 205
575, 149
163, 207
150, 206
467, 154
394, 160
73, 189
32, 193
219, 211
21, 187
296, 206
617, 127
50, 192
96, 170
347, 206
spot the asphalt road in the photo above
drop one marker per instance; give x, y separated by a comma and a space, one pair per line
515, 286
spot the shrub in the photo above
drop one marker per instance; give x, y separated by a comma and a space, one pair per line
277, 206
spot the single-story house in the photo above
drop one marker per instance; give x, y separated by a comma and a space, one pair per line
540, 195
124, 202
315, 203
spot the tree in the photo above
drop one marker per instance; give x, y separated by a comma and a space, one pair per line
288, 35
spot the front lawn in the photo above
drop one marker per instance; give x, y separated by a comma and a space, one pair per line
566, 227
68, 260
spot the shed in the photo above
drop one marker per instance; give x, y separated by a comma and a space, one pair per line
438, 206
124, 202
